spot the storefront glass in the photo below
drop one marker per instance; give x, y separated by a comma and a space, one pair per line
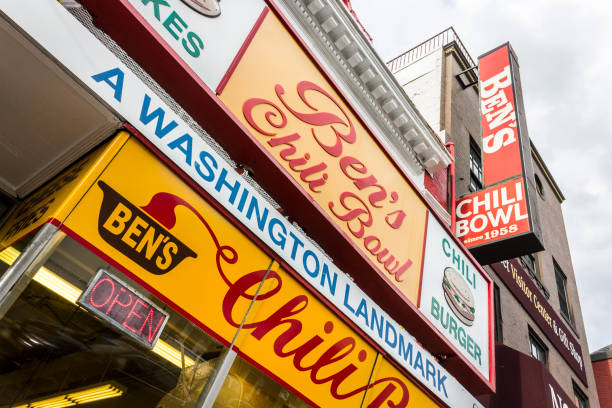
246, 387
54, 353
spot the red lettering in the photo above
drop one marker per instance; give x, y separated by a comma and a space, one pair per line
294, 162
271, 115
395, 218
363, 182
117, 302
286, 316
133, 313
239, 290
353, 214
95, 288
317, 118
349, 162
149, 318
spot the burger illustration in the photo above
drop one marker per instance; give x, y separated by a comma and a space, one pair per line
209, 8
458, 296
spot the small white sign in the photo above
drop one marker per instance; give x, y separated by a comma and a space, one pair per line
455, 298
206, 42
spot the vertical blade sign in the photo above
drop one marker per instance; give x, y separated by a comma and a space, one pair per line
501, 222
501, 151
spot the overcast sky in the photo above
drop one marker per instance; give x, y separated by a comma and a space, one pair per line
565, 55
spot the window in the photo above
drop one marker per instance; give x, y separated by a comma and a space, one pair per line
530, 263
499, 335
475, 166
539, 186
538, 350
580, 398
562, 292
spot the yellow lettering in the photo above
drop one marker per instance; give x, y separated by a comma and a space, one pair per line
134, 231
115, 223
169, 249
150, 242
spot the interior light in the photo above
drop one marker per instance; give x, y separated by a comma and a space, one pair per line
58, 285
46, 278
9, 255
171, 354
95, 393
71, 293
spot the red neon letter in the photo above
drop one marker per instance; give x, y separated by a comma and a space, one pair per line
91, 294
133, 330
116, 301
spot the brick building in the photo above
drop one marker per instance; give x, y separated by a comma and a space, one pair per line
602, 368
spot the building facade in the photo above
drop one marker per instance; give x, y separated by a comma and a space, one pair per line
602, 368
441, 78
238, 204
195, 218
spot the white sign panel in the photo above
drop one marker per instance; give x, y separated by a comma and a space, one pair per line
207, 35
60, 34
454, 297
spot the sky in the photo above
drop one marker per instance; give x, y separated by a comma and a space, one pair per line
565, 56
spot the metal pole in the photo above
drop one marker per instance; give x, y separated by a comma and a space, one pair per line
213, 386
21, 272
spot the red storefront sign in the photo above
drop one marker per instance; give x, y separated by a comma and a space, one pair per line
494, 213
501, 150
501, 221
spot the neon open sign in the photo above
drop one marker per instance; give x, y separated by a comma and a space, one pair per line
121, 306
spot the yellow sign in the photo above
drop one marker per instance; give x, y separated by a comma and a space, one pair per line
303, 124
152, 226
54, 200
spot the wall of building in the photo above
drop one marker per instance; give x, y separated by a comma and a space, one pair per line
461, 119
422, 82
603, 376
557, 249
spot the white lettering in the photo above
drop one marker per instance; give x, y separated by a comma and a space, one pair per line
501, 116
461, 227
483, 219
493, 143
484, 202
504, 197
490, 87
500, 216
499, 99
460, 212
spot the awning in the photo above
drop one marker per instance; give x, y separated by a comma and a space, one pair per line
523, 381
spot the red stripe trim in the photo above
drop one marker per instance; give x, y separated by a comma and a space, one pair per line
423, 260
242, 51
